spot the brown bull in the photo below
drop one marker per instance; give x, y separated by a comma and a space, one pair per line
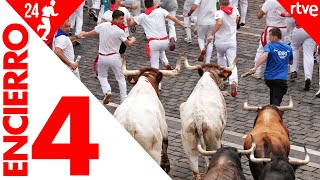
270, 134
271, 137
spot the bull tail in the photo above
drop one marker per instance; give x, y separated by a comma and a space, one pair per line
198, 124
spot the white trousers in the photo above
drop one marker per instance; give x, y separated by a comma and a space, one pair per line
204, 31
228, 52
172, 28
113, 62
157, 51
130, 2
260, 49
101, 12
300, 37
187, 21
94, 4
291, 23
76, 19
243, 8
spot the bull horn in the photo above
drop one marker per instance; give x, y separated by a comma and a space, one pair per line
254, 159
248, 151
250, 108
204, 152
289, 107
128, 72
196, 67
300, 162
230, 68
174, 72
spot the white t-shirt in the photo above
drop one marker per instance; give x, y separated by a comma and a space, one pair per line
270, 7
108, 17
110, 37
206, 13
187, 6
64, 43
228, 30
154, 24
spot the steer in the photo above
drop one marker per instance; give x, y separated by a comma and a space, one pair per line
203, 115
270, 134
142, 113
225, 163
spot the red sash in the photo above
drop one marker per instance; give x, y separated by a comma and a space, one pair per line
263, 37
148, 47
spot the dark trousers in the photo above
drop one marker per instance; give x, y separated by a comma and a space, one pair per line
278, 88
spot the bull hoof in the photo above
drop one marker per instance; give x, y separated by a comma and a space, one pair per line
166, 166
197, 176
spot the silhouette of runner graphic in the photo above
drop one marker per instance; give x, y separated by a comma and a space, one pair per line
47, 11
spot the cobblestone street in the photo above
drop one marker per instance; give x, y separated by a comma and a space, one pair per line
303, 121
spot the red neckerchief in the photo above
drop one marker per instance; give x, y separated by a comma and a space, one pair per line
149, 10
121, 26
113, 7
227, 9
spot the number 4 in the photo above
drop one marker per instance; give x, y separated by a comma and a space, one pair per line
34, 11
79, 151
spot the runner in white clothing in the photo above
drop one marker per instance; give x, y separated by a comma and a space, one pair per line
76, 20
153, 23
301, 38
273, 19
63, 48
107, 17
225, 31
243, 9
171, 6
111, 34
205, 22
188, 19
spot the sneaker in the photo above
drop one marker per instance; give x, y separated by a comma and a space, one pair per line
106, 98
172, 46
188, 40
293, 75
242, 24
256, 75
168, 67
233, 91
238, 25
93, 14
307, 84
318, 94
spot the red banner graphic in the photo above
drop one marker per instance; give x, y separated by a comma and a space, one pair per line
45, 16
306, 14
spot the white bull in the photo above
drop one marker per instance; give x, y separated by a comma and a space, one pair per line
143, 115
204, 114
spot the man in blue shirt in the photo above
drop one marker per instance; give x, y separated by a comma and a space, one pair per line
278, 56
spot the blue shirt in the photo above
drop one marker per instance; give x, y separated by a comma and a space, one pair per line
277, 62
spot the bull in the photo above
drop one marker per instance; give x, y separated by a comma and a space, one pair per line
271, 138
142, 113
225, 163
203, 115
